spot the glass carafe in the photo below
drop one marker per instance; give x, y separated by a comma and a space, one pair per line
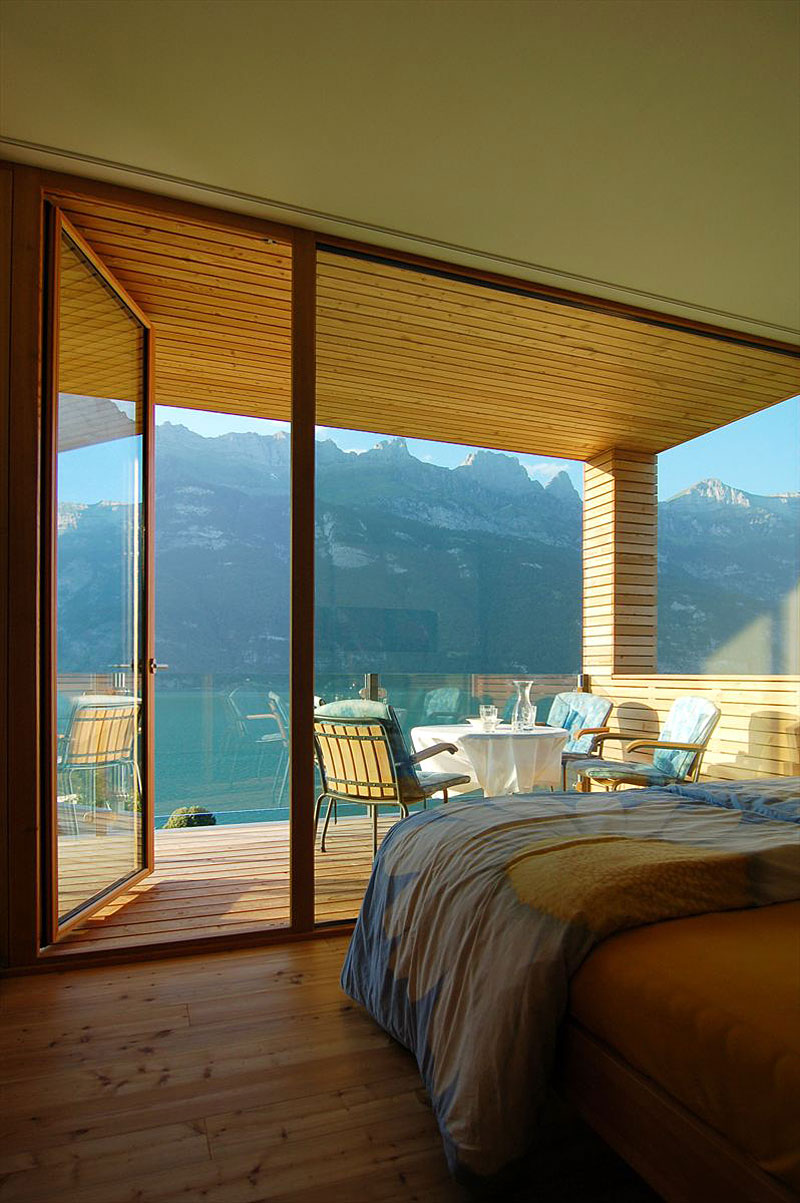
523, 717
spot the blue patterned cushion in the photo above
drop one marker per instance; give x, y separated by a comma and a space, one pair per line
690, 721
573, 712
448, 703
621, 770
366, 709
777, 798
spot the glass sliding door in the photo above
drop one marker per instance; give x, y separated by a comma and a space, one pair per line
100, 805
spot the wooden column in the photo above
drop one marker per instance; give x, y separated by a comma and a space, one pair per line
619, 563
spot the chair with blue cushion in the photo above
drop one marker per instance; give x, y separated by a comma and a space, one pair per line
585, 716
447, 705
677, 753
363, 758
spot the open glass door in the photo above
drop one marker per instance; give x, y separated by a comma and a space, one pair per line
99, 821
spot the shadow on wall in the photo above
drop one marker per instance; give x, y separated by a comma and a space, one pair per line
775, 735
635, 721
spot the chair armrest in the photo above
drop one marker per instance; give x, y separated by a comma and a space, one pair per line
434, 751
600, 739
660, 743
592, 731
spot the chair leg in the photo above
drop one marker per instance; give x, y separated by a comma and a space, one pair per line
374, 832
327, 821
444, 797
285, 779
317, 809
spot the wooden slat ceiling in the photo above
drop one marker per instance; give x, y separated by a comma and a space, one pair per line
419, 354
219, 302
99, 341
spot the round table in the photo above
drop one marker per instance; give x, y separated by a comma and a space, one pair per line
501, 761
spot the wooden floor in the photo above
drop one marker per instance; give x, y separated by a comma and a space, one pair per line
233, 1078
212, 880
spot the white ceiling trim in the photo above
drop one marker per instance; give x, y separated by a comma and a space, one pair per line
129, 175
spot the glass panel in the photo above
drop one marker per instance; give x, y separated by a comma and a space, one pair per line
99, 586
222, 707
448, 571
729, 549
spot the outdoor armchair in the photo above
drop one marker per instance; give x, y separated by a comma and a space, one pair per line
363, 759
677, 752
585, 716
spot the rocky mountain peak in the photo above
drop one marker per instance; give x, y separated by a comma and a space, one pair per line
561, 488
391, 451
501, 473
714, 489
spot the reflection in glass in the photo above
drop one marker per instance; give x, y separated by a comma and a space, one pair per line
98, 584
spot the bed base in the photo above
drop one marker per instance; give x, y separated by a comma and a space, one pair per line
682, 1158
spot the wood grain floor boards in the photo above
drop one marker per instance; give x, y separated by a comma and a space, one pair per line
236, 1078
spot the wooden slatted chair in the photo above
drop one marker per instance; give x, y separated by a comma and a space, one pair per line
100, 735
363, 759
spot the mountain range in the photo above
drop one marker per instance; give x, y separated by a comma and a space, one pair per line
419, 568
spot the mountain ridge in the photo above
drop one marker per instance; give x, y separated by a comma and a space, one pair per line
420, 567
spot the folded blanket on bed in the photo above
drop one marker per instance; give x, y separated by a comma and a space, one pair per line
773, 797
477, 915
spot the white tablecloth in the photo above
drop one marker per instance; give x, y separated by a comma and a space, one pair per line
503, 762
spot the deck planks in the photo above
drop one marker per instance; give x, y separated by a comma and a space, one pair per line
222, 880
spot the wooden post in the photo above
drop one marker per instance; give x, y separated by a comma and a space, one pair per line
304, 303
24, 714
620, 563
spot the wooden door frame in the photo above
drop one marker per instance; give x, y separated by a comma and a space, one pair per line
56, 226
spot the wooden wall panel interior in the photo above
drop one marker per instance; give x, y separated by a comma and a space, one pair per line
758, 734
448, 359
620, 563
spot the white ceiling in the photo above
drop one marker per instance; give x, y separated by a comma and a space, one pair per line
642, 149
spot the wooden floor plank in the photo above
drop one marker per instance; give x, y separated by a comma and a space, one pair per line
234, 1078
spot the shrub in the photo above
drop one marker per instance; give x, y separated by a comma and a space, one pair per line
191, 816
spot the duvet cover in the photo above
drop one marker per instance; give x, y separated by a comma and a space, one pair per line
478, 913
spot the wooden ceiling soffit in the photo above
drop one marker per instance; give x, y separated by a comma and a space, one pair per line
411, 352
406, 351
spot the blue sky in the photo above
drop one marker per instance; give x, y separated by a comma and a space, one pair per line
759, 454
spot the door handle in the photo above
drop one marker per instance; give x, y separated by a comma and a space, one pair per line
155, 667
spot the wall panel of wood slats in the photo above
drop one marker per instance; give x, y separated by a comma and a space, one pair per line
619, 562
758, 734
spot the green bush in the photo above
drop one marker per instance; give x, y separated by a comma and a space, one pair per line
191, 816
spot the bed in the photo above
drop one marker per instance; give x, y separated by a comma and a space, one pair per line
597, 942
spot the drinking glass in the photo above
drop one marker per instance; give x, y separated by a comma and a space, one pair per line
488, 717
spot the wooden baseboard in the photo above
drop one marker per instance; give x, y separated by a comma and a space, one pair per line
681, 1157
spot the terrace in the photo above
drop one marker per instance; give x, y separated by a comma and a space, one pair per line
240, 317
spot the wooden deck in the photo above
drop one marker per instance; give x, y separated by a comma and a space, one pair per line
235, 1078
225, 879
